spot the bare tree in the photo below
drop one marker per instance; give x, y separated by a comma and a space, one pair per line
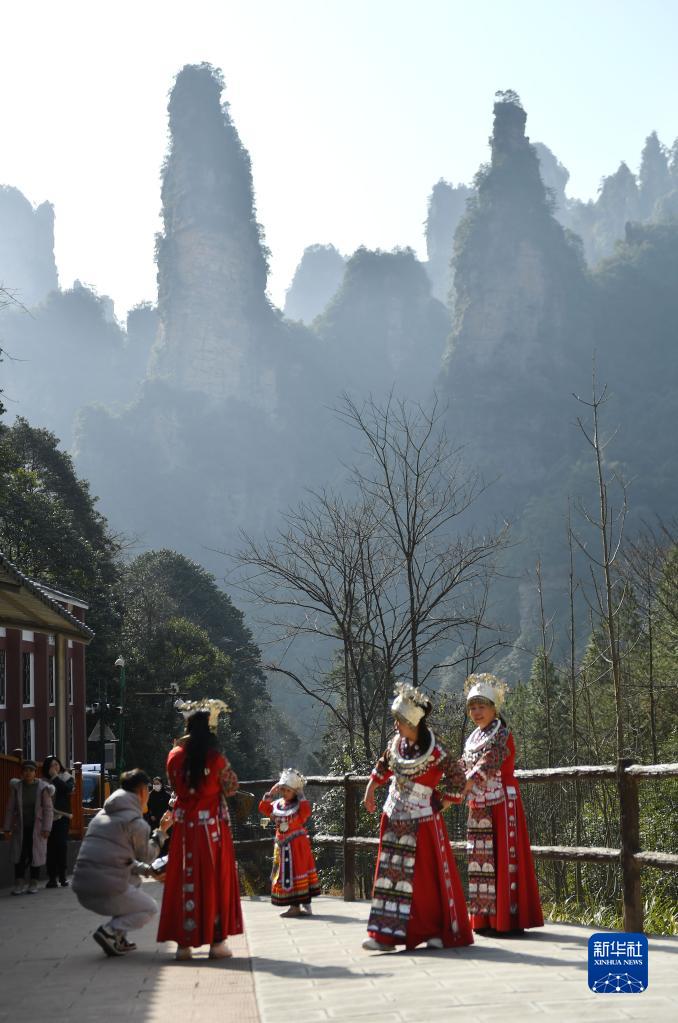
608, 588
384, 575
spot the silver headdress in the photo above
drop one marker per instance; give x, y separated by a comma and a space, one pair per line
212, 707
485, 686
410, 704
291, 779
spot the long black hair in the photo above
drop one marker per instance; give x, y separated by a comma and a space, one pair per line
47, 763
198, 744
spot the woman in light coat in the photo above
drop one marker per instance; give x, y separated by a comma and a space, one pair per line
29, 844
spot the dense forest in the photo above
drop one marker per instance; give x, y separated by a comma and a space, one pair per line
528, 370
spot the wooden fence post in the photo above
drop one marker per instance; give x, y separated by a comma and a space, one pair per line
629, 827
350, 821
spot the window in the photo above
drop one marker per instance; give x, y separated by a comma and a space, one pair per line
70, 680
50, 681
3, 737
27, 678
28, 732
3, 678
52, 735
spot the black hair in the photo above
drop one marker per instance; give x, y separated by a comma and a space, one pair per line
198, 744
47, 763
132, 780
29, 763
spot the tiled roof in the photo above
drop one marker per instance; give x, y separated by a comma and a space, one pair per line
39, 591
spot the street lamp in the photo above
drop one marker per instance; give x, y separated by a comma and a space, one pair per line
120, 663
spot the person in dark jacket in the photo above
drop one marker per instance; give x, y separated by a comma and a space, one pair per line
54, 772
115, 854
158, 803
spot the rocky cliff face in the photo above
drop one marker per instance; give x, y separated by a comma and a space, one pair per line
316, 281
514, 266
27, 267
215, 319
446, 207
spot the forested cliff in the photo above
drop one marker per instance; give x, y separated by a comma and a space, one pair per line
212, 411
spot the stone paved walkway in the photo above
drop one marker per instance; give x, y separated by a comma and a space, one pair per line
305, 971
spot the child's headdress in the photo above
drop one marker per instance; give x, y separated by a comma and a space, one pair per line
410, 704
292, 779
485, 686
212, 707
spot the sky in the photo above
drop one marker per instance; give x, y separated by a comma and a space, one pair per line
351, 110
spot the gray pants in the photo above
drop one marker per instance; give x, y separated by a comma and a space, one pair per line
128, 911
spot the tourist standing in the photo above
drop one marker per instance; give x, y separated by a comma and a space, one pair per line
503, 894
201, 897
417, 895
55, 773
28, 821
158, 802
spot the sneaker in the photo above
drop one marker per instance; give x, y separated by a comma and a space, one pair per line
19, 888
109, 941
307, 909
220, 951
64, 882
372, 945
435, 943
182, 954
51, 884
32, 887
125, 945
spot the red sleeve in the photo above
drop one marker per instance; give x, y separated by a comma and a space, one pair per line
304, 810
265, 807
172, 765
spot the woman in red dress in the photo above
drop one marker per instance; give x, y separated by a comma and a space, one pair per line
201, 898
503, 894
294, 880
417, 895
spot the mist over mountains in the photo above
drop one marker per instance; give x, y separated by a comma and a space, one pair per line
210, 412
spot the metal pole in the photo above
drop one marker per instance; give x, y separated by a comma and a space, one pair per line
122, 715
102, 742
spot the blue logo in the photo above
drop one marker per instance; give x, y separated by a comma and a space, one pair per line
617, 963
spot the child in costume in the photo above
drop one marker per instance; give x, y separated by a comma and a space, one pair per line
417, 895
294, 880
503, 895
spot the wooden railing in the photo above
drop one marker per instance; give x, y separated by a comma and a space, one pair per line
10, 767
625, 775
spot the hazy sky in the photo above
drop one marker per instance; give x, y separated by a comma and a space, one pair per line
351, 110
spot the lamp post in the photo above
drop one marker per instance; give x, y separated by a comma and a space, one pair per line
120, 663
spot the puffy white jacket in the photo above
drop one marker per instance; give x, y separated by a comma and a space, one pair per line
116, 849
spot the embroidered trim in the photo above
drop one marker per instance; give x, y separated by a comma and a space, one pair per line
479, 738
409, 767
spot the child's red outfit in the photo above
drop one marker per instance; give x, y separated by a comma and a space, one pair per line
294, 880
503, 891
417, 891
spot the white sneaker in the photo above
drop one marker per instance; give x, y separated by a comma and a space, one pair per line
19, 888
32, 888
372, 945
435, 943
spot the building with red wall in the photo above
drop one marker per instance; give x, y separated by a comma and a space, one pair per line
43, 636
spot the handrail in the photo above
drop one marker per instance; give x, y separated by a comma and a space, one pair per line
631, 858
